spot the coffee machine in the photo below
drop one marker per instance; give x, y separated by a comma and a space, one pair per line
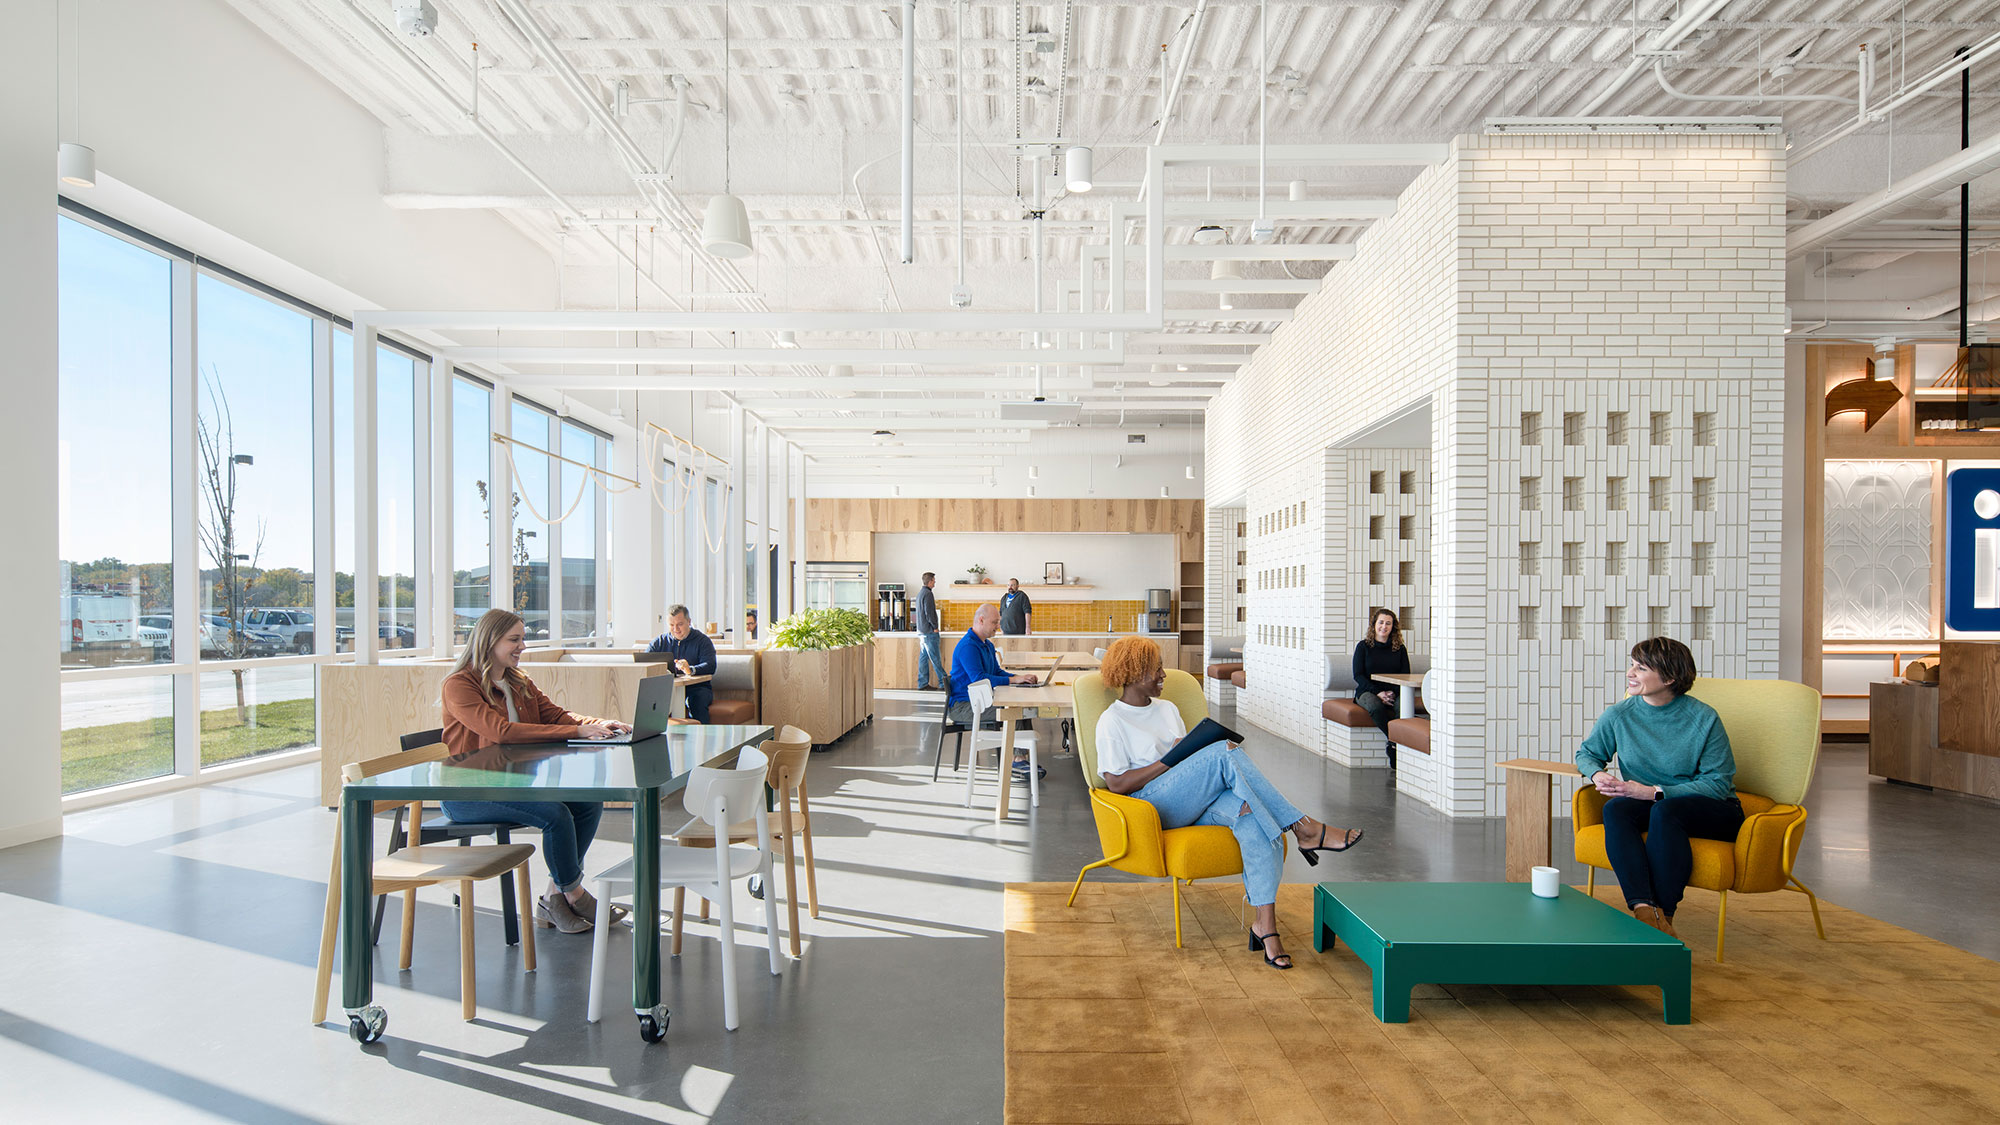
892, 608
1159, 610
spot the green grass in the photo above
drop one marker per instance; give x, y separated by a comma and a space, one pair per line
94, 757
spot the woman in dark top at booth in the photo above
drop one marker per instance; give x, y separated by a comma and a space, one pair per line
1380, 651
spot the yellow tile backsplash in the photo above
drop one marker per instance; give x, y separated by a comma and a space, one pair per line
1054, 617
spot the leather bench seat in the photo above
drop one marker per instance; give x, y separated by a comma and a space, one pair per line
1412, 733
1224, 671
1346, 712
732, 712
1238, 677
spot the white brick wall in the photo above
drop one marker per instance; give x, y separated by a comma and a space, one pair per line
1567, 279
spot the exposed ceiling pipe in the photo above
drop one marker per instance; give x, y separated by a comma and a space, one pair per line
1668, 37
1173, 92
1922, 86
1660, 73
1928, 307
909, 130
1960, 167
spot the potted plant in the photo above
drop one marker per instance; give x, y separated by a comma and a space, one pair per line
978, 573
819, 673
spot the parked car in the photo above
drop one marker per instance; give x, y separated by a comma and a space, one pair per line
217, 629
395, 636
293, 627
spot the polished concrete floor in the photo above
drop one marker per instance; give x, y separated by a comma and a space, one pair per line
160, 956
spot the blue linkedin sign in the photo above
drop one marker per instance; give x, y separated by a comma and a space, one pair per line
1972, 550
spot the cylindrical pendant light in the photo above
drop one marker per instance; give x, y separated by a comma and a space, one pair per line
76, 165
1077, 168
1226, 269
725, 230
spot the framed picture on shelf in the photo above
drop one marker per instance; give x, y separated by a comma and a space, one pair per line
1052, 574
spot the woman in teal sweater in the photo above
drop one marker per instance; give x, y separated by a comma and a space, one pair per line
1679, 783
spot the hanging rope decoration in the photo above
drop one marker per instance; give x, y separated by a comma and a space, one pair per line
695, 463
603, 477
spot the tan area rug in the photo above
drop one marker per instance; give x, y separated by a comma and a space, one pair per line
1108, 1022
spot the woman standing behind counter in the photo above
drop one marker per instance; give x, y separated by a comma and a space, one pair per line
488, 701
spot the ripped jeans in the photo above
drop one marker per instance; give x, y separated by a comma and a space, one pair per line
1211, 787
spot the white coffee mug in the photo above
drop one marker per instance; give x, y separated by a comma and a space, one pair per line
1546, 882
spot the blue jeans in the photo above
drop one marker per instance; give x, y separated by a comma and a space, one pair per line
1655, 869
1212, 787
929, 653
698, 697
567, 829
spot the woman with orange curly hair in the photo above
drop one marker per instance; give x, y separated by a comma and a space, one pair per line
1218, 785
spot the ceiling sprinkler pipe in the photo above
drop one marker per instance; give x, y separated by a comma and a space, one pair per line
1660, 72
1173, 91
1668, 37
909, 129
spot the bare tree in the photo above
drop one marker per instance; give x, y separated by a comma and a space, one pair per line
219, 533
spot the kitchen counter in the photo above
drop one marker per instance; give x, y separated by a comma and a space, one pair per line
896, 653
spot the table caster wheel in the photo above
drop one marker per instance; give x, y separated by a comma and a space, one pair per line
653, 1025
367, 1025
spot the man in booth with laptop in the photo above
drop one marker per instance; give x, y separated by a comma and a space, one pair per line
693, 654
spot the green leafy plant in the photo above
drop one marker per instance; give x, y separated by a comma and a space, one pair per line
976, 570
818, 629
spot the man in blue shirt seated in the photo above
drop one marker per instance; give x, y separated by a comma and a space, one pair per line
693, 655
974, 659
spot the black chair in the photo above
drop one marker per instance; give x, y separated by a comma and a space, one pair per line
442, 828
946, 726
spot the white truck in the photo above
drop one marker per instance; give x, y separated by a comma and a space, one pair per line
98, 621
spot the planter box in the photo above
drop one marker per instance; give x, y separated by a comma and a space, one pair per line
825, 693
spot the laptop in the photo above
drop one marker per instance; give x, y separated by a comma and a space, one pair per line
659, 698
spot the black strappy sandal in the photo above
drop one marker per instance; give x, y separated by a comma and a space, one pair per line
1310, 855
1257, 941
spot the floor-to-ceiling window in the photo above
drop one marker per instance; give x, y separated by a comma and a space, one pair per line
114, 480
529, 503
578, 534
397, 377
254, 507
471, 504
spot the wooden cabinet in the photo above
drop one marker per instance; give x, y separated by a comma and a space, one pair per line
1903, 742
825, 693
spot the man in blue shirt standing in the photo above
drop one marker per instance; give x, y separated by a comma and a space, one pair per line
693, 655
974, 659
928, 653
1016, 611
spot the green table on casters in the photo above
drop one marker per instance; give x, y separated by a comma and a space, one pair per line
1494, 933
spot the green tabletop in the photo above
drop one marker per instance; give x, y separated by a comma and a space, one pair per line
1494, 933
559, 771
642, 773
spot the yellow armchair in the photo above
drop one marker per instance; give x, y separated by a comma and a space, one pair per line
1773, 730
1128, 829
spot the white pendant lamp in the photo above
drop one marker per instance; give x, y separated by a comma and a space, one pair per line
1226, 269
1077, 168
725, 228
76, 165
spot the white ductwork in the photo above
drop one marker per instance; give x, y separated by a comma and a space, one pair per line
1985, 306
1959, 167
909, 129
1691, 17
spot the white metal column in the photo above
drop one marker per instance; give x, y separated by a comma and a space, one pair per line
782, 460
324, 582
760, 551
434, 508
367, 588
499, 512
186, 491
732, 514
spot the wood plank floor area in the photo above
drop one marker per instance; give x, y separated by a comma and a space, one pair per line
1108, 1022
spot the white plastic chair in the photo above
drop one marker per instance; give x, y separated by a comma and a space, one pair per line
719, 798
979, 695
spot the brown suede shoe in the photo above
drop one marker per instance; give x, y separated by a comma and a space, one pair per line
1648, 913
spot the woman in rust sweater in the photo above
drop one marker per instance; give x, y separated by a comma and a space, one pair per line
488, 701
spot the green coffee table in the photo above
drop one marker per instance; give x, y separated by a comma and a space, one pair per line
1494, 933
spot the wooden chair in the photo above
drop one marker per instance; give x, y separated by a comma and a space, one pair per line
424, 865
440, 829
789, 752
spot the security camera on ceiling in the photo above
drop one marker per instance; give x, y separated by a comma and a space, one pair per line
416, 20
961, 296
